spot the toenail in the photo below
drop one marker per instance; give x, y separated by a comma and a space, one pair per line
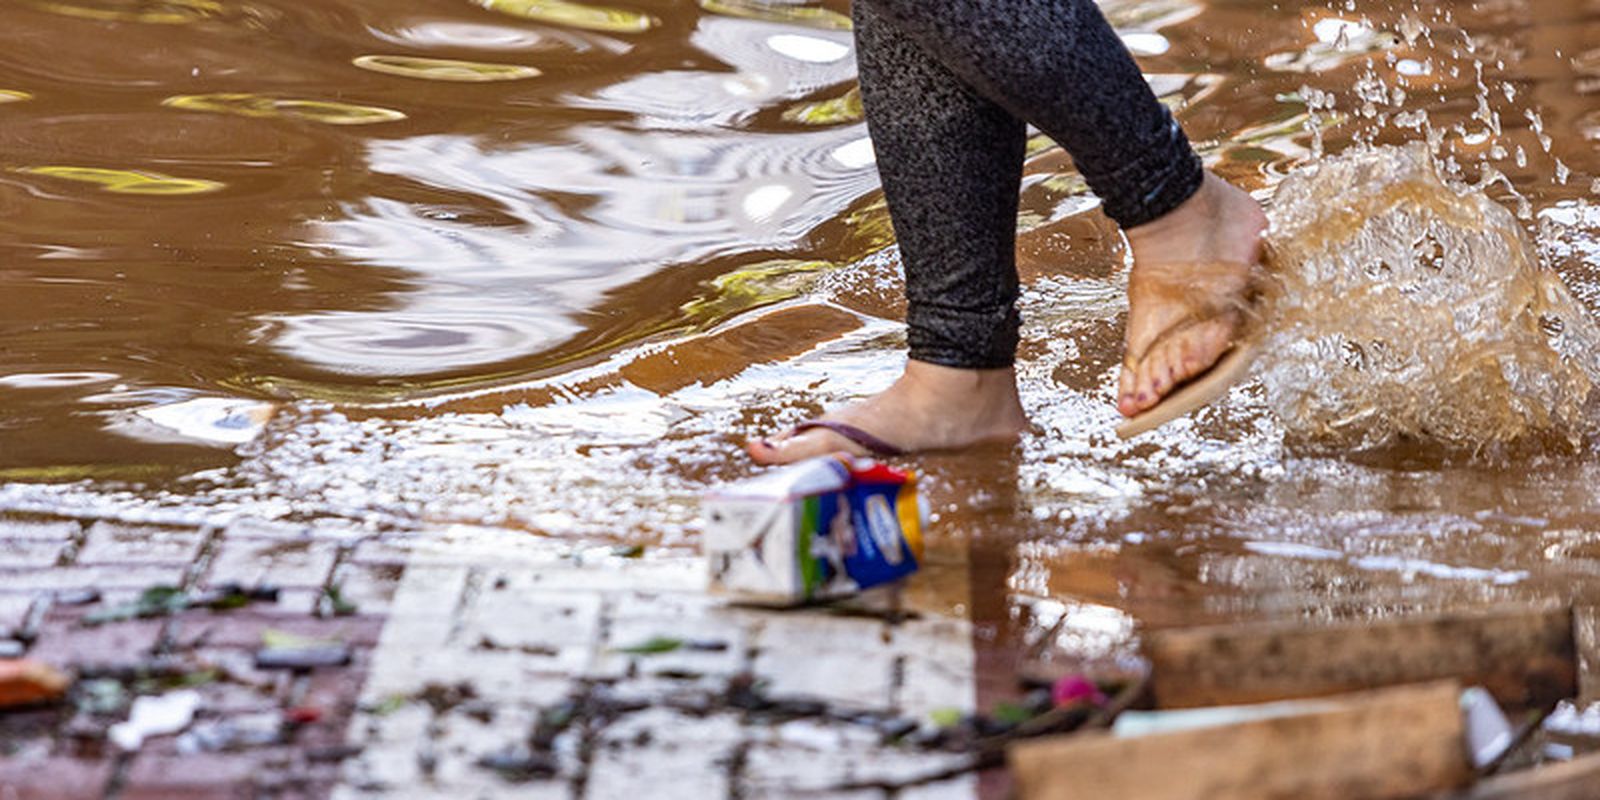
1142, 398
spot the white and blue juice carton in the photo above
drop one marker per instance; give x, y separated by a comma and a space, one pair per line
820, 529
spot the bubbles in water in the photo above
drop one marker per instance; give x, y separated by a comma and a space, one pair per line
1406, 308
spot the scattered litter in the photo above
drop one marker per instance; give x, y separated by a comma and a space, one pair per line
1489, 733
520, 764
820, 529
76, 597
653, 646
1134, 724
30, 683
282, 650
161, 601
303, 658
236, 733
216, 420
100, 696
303, 715
1074, 689
334, 603
155, 716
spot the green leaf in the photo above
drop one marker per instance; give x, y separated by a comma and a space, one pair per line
945, 717
654, 646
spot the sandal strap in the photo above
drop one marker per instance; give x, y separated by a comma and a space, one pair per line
1187, 283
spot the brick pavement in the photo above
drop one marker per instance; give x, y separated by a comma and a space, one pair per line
483, 664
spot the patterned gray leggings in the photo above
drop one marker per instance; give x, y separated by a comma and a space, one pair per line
950, 87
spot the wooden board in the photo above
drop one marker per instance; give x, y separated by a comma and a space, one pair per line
1525, 657
1391, 743
1575, 780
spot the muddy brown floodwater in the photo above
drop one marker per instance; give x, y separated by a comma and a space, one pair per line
545, 266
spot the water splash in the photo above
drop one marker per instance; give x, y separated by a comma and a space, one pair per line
1407, 308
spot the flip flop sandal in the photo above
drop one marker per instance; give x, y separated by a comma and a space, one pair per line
1234, 365
857, 436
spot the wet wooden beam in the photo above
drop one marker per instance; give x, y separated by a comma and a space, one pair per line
1526, 657
1391, 743
1586, 633
1575, 780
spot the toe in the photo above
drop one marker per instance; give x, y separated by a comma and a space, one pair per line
790, 448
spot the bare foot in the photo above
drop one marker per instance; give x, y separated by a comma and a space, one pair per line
1219, 225
929, 408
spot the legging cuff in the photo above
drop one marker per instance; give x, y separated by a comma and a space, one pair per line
963, 338
1166, 173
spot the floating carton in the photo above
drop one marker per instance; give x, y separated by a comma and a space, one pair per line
823, 528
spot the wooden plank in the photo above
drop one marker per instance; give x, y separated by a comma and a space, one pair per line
1524, 656
1586, 634
1391, 743
1575, 780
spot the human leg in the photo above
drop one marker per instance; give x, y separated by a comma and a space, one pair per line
1060, 66
951, 164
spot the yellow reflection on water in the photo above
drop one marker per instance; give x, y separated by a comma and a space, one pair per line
444, 69
577, 15
255, 105
167, 12
779, 12
127, 181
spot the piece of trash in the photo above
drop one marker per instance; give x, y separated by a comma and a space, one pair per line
1074, 689
76, 597
520, 764
336, 604
303, 715
155, 716
303, 658
819, 529
11, 648
30, 683
1489, 733
236, 733
653, 646
156, 601
216, 420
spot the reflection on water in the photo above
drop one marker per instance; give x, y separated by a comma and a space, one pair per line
558, 303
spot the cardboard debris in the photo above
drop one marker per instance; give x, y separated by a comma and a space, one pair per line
30, 683
1525, 657
1380, 745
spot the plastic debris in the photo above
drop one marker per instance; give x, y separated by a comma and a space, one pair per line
30, 683
1074, 689
1489, 733
251, 730
155, 716
820, 529
303, 658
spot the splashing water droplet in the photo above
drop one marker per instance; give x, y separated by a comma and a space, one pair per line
1406, 308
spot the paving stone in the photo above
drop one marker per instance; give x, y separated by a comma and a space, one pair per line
699, 623
558, 632
116, 543
112, 643
842, 661
139, 576
664, 755
62, 529
389, 744
938, 666
200, 776
31, 553
785, 770
370, 587
962, 788
57, 778
14, 612
272, 562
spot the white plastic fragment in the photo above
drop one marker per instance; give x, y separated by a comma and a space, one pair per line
155, 716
